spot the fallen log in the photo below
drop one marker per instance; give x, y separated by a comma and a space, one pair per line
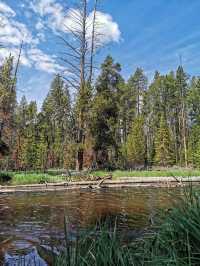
101, 181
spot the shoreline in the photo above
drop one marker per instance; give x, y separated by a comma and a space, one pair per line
124, 182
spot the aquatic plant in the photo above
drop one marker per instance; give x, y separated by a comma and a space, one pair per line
101, 246
176, 241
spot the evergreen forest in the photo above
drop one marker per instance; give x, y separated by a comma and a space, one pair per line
126, 124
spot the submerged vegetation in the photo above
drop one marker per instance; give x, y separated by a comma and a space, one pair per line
175, 240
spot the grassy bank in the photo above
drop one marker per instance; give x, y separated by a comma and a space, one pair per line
35, 178
151, 173
24, 178
175, 242
52, 176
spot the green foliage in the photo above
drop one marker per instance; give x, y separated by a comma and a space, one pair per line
135, 149
7, 109
104, 113
193, 146
169, 172
137, 85
110, 124
5, 177
42, 138
194, 100
175, 240
163, 151
35, 178
99, 247
196, 155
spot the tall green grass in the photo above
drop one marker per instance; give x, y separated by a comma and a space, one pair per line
56, 175
151, 173
35, 178
99, 247
177, 241
174, 241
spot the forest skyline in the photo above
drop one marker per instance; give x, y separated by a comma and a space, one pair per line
126, 39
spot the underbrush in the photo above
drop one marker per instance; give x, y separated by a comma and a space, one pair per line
5, 177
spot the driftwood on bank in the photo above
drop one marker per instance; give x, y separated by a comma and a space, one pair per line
103, 183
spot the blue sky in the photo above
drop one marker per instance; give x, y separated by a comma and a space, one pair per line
144, 33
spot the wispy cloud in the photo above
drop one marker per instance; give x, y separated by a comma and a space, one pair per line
43, 61
60, 20
6, 9
13, 33
51, 14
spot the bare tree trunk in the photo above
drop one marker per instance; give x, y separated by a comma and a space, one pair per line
80, 61
138, 101
93, 43
81, 122
184, 134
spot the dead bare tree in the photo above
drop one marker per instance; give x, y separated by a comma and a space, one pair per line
80, 42
93, 41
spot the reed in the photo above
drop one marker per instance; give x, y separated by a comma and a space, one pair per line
175, 241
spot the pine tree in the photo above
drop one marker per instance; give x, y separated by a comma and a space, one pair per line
131, 102
104, 120
30, 146
136, 146
20, 120
7, 108
137, 85
163, 152
193, 100
56, 123
196, 155
161, 99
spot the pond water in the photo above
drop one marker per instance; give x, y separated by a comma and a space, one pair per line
31, 223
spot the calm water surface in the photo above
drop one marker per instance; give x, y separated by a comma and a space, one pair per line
30, 223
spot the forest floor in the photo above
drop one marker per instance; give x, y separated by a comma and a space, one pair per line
56, 176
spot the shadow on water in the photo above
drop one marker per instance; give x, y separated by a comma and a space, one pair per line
31, 225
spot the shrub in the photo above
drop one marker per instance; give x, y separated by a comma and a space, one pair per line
5, 177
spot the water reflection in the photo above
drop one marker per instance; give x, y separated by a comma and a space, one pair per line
30, 223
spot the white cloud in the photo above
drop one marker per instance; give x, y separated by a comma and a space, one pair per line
15, 52
45, 7
49, 8
51, 14
39, 25
43, 61
41, 36
107, 29
5, 9
57, 19
13, 33
33, 57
